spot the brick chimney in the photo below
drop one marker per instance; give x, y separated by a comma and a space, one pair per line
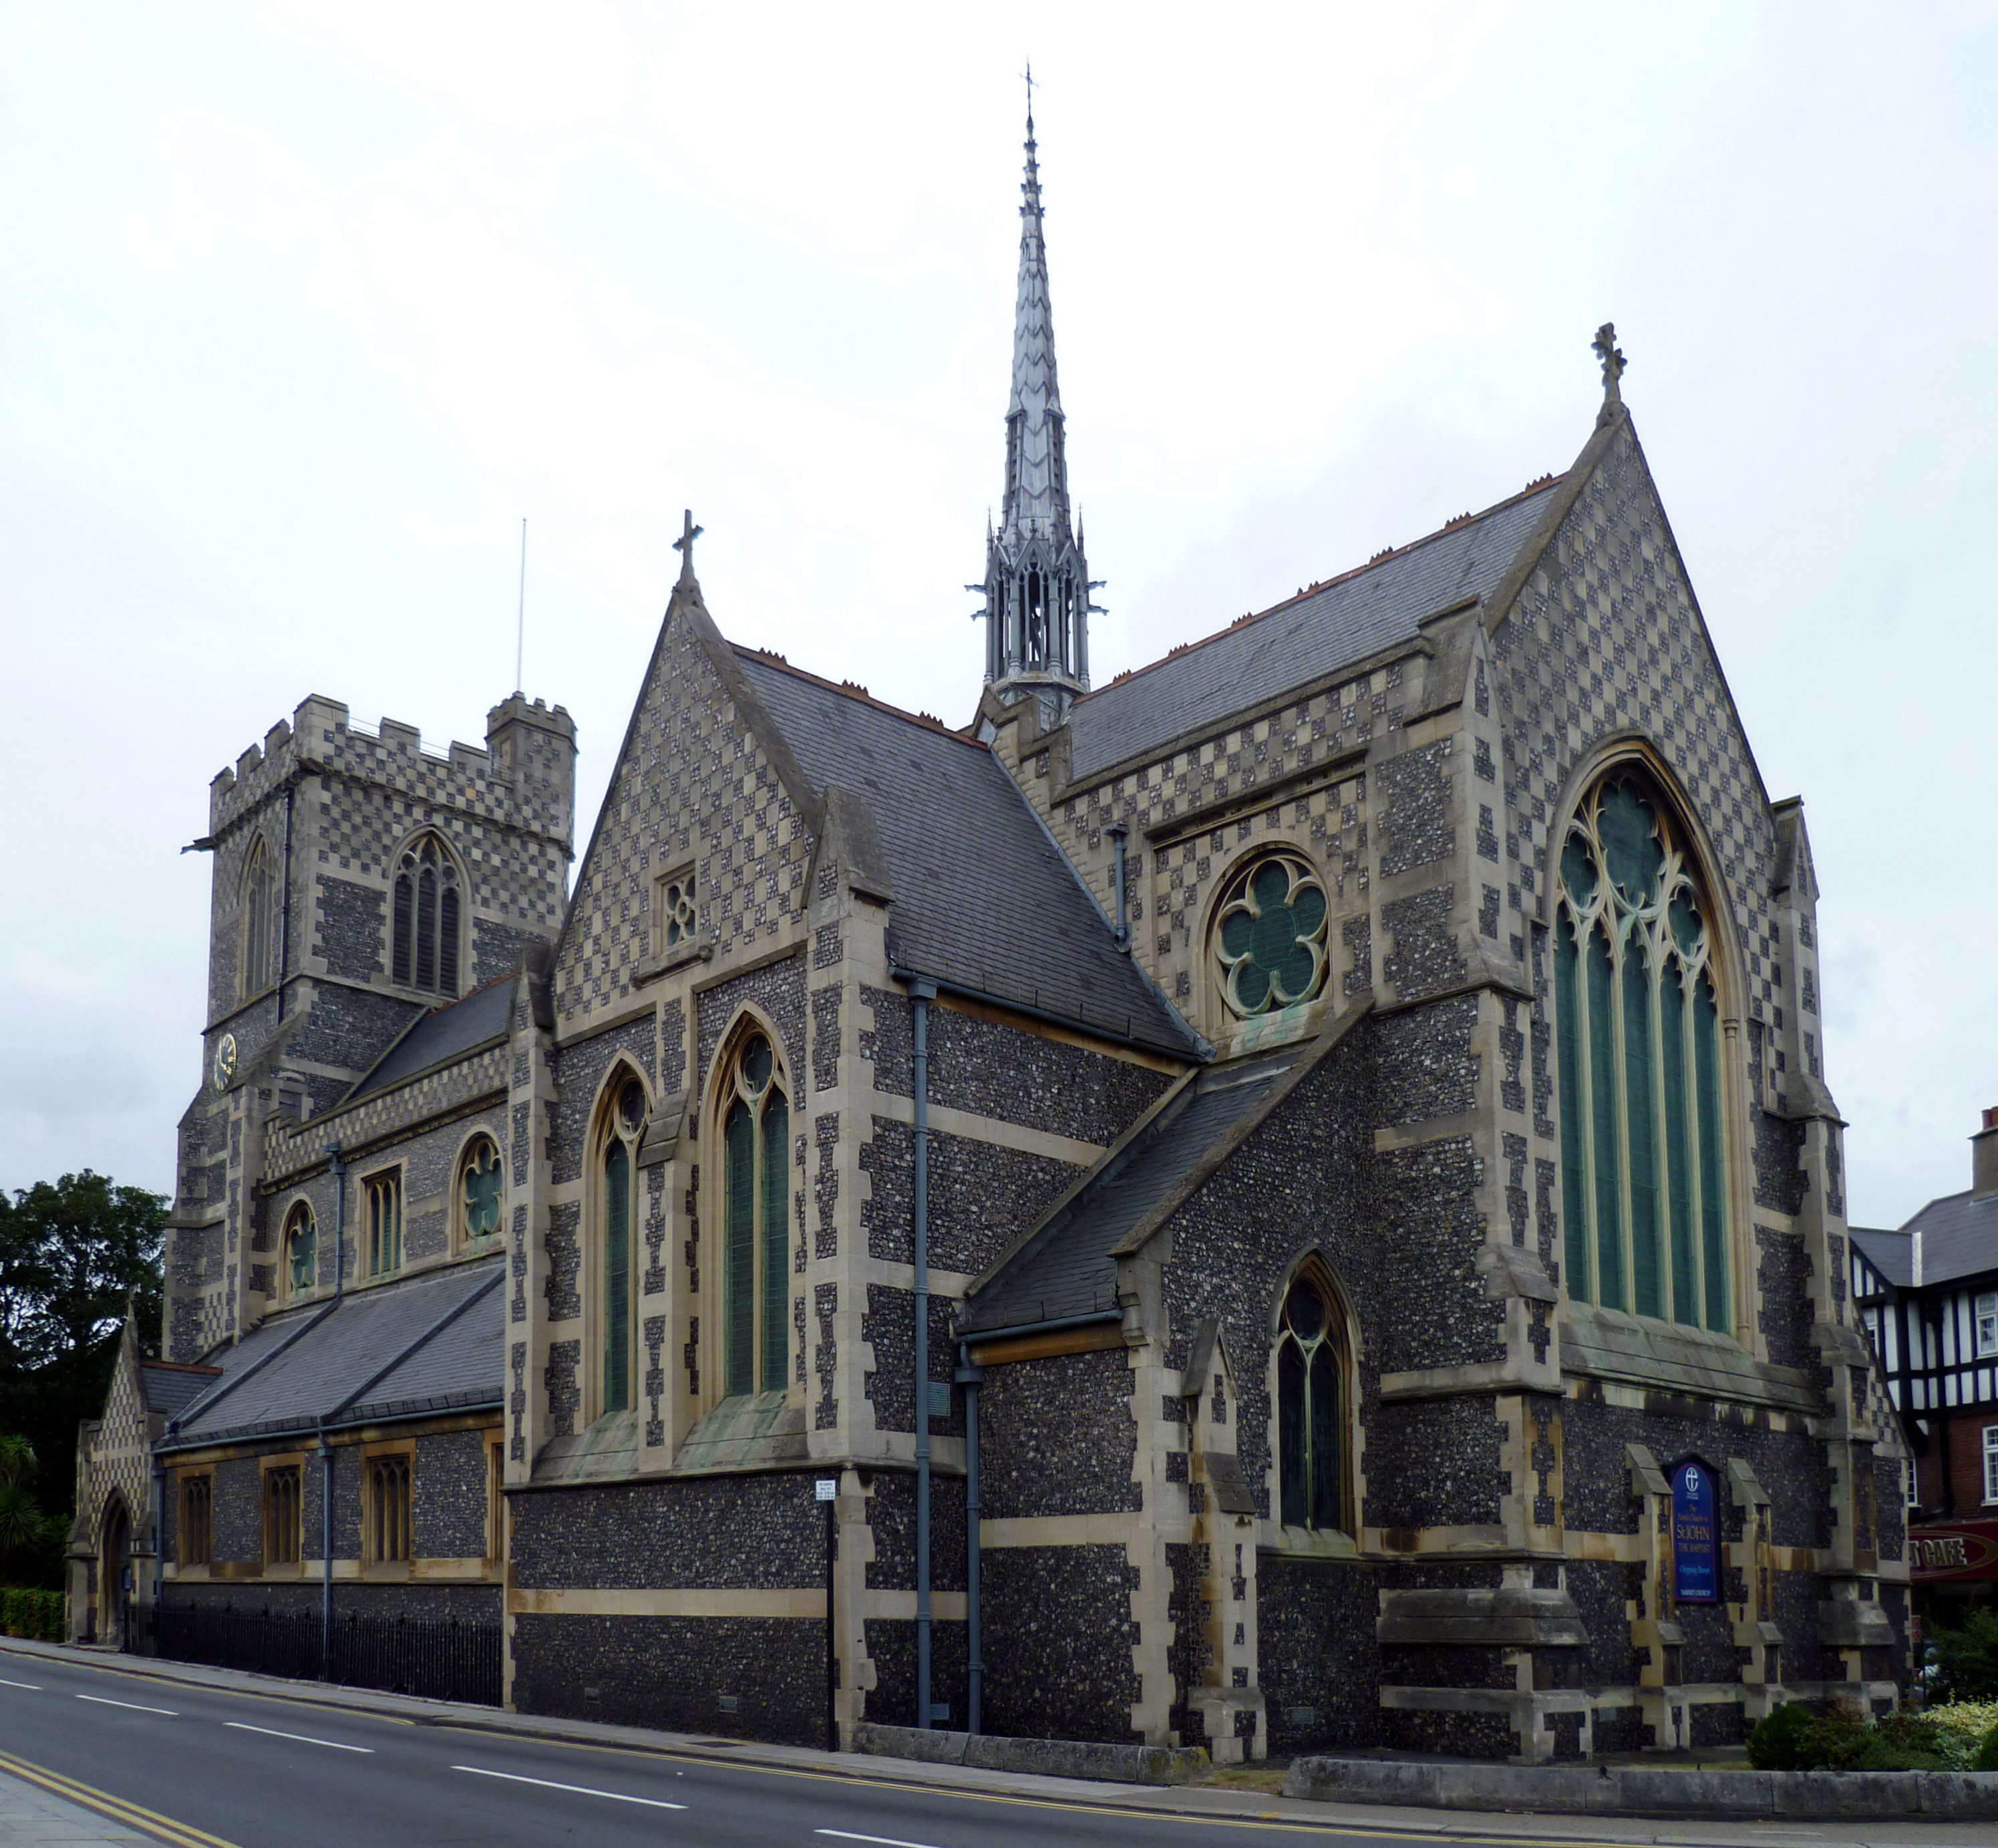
1984, 1158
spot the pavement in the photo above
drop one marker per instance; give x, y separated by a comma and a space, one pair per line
31, 1817
208, 1758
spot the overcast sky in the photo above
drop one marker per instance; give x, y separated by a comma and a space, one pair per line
302, 306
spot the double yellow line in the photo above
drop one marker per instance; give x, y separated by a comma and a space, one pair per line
163, 1827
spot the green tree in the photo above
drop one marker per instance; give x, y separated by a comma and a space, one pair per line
73, 1253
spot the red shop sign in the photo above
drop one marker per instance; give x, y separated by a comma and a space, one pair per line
1939, 1551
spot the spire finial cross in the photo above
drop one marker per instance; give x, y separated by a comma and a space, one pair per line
1612, 356
684, 544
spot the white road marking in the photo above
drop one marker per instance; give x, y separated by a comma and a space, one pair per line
886, 1841
580, 1790
32, 1687
99, 1700
304, 1739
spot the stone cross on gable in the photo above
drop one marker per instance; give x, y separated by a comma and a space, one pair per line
1612, 356
684, 544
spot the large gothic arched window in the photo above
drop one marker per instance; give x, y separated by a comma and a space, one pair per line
426, 925
756, 1246
1310, 1404
1644, 1190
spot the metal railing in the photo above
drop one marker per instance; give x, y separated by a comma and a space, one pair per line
437, 1658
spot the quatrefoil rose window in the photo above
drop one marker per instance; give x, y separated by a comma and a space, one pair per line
1270, 936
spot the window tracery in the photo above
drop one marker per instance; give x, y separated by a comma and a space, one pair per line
1311, 1405
756, 1267
1269, 935
424, 952
1643, 1186
481, 1191
300, 1249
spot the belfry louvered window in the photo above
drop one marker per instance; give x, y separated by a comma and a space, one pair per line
424, 952
259, 919
1644, 1187
627, 1123
756, 1267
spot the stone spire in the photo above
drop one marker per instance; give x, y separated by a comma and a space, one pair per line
1037, 583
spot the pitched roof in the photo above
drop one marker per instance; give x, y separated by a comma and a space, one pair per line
433, 1343
1955, 1237
171, 1385
443, 1034
1312, 635
1065, 1267
1891, 1253
983, 899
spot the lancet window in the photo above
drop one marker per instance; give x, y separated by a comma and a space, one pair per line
624, 1123
260, 923
1310, 1404
481, 1191
300, 1252
424, 953
755, 1264
1644, 1162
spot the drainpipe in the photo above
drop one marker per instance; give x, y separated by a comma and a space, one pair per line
338, 1164
1119, 833
285, 925
970, 1377
921, 994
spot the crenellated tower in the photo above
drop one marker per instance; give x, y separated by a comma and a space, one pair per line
1037, 583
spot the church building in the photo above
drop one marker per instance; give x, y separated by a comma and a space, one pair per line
1290, 1192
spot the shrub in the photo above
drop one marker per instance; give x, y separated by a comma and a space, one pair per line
1835, 1741
36, 1614
1773, 1745
1961, 1727
1986, 1758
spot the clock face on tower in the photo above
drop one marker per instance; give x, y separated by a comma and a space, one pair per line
225, 1061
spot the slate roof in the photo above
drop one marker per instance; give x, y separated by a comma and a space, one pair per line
1065, 1268
1958, 1236
443, 1034
1891, 1253
1302, 640
378, 1353
983, 899
169, 1386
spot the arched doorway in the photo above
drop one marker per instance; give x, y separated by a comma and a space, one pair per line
115, 1574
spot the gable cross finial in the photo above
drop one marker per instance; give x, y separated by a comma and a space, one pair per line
684, 544
1613, 362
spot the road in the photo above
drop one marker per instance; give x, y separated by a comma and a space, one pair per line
253, 1770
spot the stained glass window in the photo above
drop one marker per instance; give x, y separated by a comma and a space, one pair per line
301, 1251
425, 921
1643, 1198
1269, 935
1311, 1417
756, 1258
481, 1186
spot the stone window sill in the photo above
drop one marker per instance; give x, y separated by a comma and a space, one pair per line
650, 967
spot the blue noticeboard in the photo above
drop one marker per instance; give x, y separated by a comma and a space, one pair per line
1695, 1536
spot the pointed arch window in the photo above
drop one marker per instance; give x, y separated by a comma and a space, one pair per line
260, 899
625, 1125
1643, 1187
755, 1255
480, 1195
424, 953
300, 1250
1311, 1405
